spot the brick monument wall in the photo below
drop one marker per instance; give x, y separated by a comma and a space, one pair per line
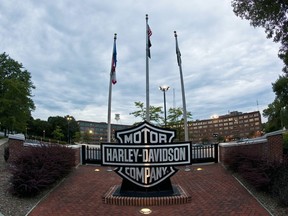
269, 147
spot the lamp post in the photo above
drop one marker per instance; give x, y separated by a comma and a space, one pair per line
164, 88
69, 118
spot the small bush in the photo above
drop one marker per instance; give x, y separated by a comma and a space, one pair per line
263, 175
279, 183
256, 171
236, 161
37, 168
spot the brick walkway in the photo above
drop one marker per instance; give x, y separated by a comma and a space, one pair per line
213, 190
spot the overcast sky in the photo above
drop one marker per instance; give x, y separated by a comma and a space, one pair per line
67, 46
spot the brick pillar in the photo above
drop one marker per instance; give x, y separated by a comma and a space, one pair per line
275, 147
77, 155
15, 144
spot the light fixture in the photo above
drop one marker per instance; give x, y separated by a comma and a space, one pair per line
214, 116
164, 88
199, 169
97, 170
145, 211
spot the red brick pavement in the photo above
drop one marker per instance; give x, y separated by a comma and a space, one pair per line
213, 190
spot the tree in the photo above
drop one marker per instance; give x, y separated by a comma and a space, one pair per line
272, 113
280, 87
155, 113
67, 125
15, 95
175, 119
87, 137
175, 116
272, 16
58, 133
36, 128
277, 111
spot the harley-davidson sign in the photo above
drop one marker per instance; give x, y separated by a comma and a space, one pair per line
145, 154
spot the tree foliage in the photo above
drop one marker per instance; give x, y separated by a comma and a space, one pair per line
15, 95
272, 16
175, 117
277, 111
175, 120
56, 127
155, 113
57, 133
280, 87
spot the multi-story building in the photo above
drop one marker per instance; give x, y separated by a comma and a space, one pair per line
96, 132
233, 126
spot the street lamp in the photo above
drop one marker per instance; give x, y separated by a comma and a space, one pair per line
164, 88
69, 118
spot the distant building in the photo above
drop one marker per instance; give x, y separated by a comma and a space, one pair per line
233, 126
96, 132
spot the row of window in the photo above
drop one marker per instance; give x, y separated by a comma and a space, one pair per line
226, 121
222, 130
226, 125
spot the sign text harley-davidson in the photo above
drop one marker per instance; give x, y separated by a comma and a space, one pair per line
145, 155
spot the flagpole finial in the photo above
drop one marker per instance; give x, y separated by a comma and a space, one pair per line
175, 33
115, 36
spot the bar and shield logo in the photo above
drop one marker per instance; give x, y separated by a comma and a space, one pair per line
145, 155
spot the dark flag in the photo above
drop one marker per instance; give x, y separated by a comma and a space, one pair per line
113, 63
149, 33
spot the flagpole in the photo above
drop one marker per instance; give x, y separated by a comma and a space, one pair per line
182, 88
187, 169
110, 94
147, 73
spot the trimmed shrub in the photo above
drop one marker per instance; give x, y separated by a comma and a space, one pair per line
256, 171
37, 168
262, 175
279, 183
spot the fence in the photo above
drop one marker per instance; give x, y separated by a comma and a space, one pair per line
91, 155
205, 153
200, 154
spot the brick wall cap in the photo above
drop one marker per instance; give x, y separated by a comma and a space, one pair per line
274, 133
41, 144
74, 146
16, 136
248, 142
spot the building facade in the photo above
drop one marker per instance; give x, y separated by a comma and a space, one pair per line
233, 126
96, 132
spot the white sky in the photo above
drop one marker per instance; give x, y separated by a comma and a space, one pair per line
67, 46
